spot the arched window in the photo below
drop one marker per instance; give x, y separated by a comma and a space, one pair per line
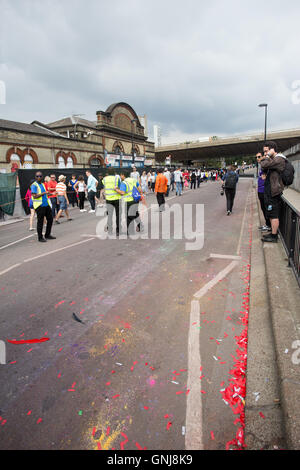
15, 162
28, 160
95, 162
61, 162
70, 162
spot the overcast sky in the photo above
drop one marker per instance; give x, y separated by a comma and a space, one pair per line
196, 68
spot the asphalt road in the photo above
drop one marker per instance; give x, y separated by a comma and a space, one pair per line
145, 368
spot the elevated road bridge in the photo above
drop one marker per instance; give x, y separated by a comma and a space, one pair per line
221, 147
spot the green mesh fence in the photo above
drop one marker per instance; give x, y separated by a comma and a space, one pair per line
8, 192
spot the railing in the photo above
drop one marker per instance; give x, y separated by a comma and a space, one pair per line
289, 228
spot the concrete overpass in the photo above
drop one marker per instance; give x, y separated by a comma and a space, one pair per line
221, 147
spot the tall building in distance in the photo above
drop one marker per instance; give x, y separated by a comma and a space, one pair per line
144, 122
157, 135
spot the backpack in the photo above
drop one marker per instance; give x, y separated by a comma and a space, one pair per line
136, 194
230, 181
287, 175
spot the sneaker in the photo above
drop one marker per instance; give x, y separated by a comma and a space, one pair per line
228, 212
265, 229
31, 229
42, 240
68, 220
50, 237
91, 211
57, 222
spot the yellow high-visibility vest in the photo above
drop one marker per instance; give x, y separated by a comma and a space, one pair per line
38, 202
130, 183
110, 182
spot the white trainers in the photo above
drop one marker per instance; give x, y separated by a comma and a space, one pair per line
91, 211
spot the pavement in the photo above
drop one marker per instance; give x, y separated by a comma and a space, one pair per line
156, 343
273, 377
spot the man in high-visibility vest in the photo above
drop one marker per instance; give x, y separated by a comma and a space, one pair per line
125, 190
113, 200
42, 207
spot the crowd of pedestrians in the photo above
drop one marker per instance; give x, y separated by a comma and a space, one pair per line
46, 195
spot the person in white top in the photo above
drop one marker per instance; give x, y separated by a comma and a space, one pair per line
135, 175
168, 176
80, 187
144, 182
178, 181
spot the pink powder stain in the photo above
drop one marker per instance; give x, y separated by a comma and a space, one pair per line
151, 382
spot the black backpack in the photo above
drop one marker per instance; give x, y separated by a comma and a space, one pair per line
287, 175
230, 181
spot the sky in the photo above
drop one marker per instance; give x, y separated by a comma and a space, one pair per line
196, 68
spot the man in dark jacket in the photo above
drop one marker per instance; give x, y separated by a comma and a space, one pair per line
273, 164
261, 197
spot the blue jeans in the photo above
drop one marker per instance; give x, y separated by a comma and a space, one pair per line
178, 187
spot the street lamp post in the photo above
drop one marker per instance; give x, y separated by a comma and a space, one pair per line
132, 149
263, 105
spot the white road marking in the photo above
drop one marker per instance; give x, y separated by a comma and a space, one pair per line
9, 269
56, 251
193, 426
213, 255
215, 280
17, 241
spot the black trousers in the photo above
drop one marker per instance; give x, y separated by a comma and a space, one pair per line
261, 197
193, 184
42, 212
132, 214
91, 195
112, 206
73, 198
81, 195
161, 201
230, 195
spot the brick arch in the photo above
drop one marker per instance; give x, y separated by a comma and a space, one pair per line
99, 157
32, 153
118, 143
14, 150
65, 156
136, 149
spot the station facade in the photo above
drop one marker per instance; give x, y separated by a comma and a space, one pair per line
116, 138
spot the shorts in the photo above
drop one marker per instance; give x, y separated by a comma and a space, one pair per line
272, 206
62, 203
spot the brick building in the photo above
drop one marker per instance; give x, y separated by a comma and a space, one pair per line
73, 142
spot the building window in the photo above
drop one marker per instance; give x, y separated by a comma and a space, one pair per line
70, 162
15, 162
95, 162
28, 161
61, 162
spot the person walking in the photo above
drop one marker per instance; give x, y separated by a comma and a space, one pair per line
168, 176
92, 184
177, 180
132, 213
113, 200
72, 191
193, 180
42, 206
153, 178
172, 181
261, 196
230, 182
144, 182
62, 197
53, 195
161, 187
135, 175
100, 192
198, 177
80, 188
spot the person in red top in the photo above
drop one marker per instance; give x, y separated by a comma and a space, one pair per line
161, 187
52, 190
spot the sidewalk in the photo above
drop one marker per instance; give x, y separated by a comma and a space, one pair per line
282, 306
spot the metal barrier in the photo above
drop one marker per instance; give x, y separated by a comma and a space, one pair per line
289, 228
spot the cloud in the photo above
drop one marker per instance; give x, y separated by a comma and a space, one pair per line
195, 68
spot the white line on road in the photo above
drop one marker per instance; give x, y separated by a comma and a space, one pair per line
17, 241
213, 255
215, 280
193, 433
56, 251
9, 269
